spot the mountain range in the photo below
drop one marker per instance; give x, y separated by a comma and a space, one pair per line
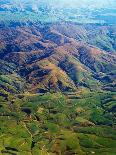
57, 58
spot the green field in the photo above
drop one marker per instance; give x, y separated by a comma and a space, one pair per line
80, 123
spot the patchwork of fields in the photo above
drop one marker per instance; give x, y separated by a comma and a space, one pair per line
74, 123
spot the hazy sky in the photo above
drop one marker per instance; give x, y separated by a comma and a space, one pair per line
72, 3
55, 8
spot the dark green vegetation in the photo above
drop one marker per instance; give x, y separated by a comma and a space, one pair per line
80, 123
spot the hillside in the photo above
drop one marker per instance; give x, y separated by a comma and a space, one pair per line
52, 58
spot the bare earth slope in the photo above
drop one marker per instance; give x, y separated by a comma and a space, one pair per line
52, 58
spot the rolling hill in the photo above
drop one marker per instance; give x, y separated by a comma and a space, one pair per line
55, 58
